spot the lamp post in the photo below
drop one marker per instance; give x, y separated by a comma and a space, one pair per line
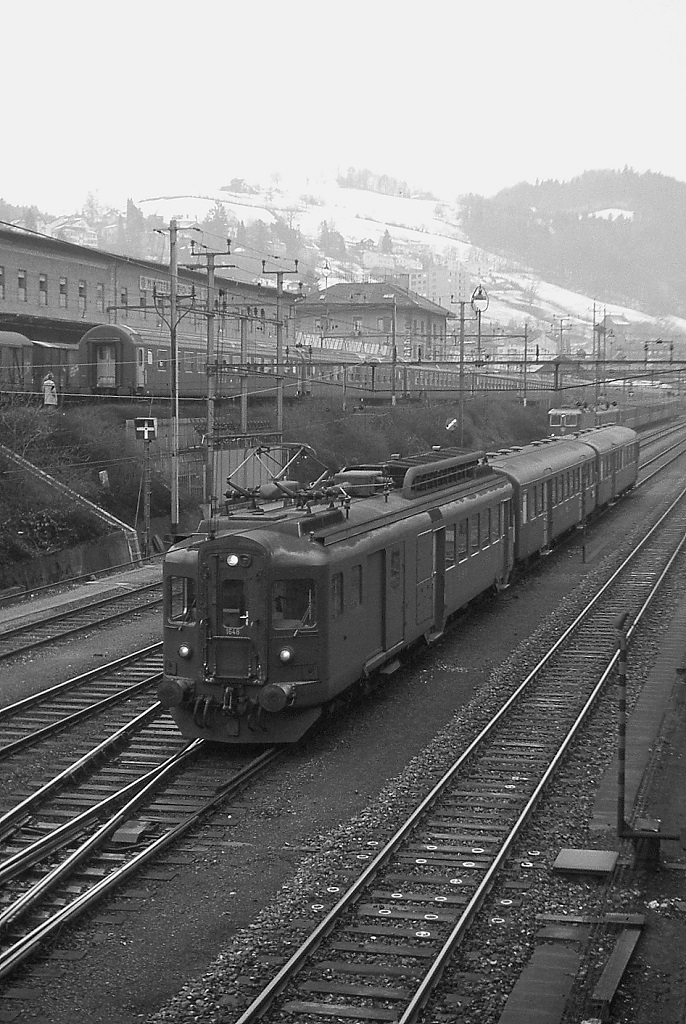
394, 349
480, 302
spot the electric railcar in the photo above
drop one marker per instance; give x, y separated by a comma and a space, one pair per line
272, 611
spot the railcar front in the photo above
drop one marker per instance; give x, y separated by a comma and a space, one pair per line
242, 633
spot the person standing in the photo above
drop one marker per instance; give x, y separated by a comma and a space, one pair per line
49, 392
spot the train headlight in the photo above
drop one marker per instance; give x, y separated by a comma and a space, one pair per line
286, 655
232, 560
185, 651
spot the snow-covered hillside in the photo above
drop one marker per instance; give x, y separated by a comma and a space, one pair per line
417, 227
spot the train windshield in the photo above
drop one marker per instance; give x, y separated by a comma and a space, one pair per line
294, 604
181, 599
234, 610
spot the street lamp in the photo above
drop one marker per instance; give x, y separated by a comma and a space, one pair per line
480, 302
394, 350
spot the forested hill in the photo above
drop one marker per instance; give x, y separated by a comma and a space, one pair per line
617, 235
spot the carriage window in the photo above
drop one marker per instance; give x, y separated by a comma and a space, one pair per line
356, 586
462, 540
485, 528
294, 604
181, 599
449, 546
336, 595
233, 610
525, 505
395, 568
473, 534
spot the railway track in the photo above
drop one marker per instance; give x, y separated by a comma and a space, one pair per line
115, 687
68, 623
103, 818
377, 949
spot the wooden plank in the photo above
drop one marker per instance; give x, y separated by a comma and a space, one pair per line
610, 979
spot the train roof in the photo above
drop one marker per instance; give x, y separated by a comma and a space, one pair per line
364, 498
530, 462
604, 439
13, 339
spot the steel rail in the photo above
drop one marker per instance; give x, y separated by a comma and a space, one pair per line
37, 698
11, 817
11, 958
76, 716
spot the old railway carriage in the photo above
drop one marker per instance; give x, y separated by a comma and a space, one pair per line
272, 612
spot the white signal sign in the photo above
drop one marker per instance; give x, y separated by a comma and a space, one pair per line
451, 423
146, 429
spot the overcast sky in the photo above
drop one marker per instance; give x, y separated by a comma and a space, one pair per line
141, 99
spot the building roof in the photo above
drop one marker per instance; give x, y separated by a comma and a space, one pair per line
371, 293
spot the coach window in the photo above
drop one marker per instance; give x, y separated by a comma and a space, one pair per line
83, 294
450, 546
42, 289
189, 362
462, 540
336, 595
162, 359
525, 505
486, 528
64, 294
181, 599
2, 282
396, 568
356, 586
22, 287
474, 534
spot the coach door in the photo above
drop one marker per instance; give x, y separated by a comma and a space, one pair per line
547, 511
105, 365
425, 578
394, 598
140, 368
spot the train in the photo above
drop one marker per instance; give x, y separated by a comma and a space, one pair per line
662, 403
115, 361
278, 608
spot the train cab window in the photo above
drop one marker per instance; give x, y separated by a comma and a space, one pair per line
294, 604
233, 608
181, 599
450, 544
396, 568
462, 540
356, 586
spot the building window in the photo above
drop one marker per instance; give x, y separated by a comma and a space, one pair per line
124, 300
100, 298
2, 282
357, 326
83, 294
21, 286
42, 289
63, 293
143, 303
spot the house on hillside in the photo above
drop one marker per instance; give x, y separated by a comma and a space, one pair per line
374, 318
